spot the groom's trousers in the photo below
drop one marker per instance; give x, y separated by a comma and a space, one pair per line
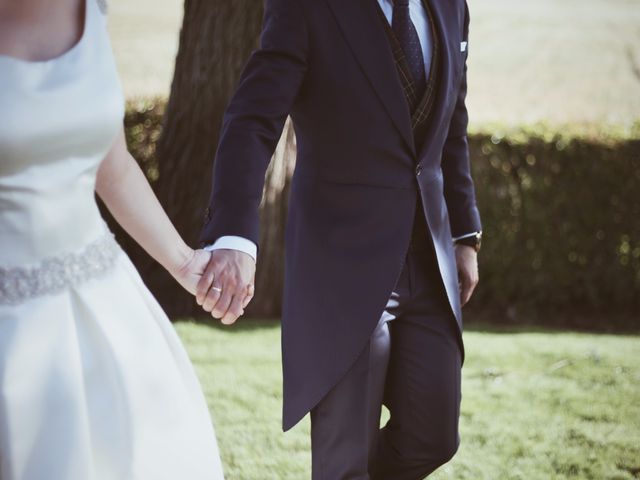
411, 364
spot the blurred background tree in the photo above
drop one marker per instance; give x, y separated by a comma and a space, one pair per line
554, 101
216, 39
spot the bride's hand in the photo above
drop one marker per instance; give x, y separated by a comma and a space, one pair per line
188, 274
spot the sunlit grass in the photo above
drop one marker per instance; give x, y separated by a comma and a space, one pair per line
536, 406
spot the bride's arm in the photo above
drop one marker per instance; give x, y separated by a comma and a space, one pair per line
128, 196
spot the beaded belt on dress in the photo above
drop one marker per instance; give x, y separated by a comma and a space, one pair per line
54, 275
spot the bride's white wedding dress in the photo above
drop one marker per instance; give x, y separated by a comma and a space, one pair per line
94, 382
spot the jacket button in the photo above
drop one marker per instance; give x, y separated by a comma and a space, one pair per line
418, 170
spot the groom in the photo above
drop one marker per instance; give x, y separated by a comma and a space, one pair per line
383, 228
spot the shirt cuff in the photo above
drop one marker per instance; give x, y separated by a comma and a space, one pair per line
466, 235
232, 242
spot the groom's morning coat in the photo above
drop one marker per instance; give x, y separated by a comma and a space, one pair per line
358, 175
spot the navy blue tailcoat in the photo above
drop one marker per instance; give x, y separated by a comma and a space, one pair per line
359, 174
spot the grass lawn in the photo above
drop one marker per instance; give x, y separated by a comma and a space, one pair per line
536, 405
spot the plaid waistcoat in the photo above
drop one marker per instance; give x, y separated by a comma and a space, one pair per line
420, 107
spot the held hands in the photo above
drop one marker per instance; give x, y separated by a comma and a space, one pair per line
467, 261
226, 286
189, 273
222, 281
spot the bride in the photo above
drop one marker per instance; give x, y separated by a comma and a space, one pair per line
94, 383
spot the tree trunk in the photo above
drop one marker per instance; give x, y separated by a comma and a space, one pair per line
216, 40
273, 218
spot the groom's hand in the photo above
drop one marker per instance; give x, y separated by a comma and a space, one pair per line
467, 262
226, 287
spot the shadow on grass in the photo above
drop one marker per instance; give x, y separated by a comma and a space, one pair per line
592, 324
483, 327
242, 325
476, 326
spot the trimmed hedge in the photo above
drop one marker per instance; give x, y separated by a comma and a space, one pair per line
562, 227
561, 222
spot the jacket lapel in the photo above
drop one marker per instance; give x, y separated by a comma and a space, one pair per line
360, 24
448, 28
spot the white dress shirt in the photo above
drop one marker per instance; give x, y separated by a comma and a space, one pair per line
232, 242
420, 20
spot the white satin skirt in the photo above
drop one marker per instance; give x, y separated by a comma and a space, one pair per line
96, 385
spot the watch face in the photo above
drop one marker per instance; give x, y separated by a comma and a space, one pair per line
478, 239
473, 241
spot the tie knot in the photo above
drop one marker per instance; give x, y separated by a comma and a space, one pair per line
401, 3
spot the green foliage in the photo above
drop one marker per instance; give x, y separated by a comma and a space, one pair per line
535, 405
143, 125
561, 215
562, 224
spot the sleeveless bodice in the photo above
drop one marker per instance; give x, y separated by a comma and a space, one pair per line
94, 383
58, 120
